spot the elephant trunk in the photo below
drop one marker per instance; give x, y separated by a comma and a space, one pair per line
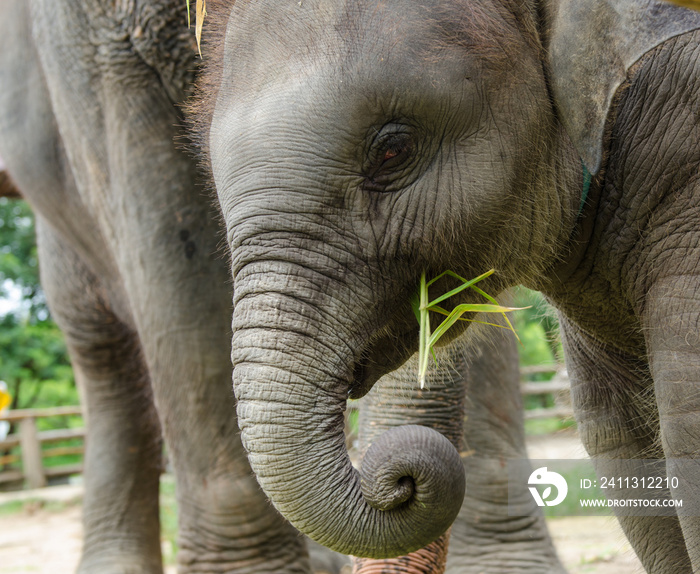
291, 384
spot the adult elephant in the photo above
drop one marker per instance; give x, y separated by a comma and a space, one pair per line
355, 145
128, 255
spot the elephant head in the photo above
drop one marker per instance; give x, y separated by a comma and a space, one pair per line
356, 144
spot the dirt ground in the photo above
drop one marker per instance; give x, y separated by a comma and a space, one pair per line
45, 538
48, 542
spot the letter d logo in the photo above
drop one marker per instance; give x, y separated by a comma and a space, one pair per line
550, 478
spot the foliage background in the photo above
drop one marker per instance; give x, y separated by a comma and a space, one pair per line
33, 358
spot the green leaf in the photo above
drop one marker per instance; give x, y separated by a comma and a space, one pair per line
465, 285
422, 306
424, 335
487, 296
460, 310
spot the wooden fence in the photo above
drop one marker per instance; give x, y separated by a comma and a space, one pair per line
31, 441
558, 387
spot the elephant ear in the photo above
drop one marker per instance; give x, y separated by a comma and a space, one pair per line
592, 45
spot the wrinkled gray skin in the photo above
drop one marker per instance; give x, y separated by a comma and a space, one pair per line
130, 266
354, 144
473, 398
129, 263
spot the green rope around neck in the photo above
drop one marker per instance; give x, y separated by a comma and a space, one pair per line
587, 177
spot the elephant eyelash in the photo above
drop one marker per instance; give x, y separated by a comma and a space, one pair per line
397, 148
388, 158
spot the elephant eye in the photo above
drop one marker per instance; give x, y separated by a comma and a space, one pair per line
389, 158
397, 148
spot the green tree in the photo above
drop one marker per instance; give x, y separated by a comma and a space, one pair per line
538, 328
33, 358
19, 266
34, 363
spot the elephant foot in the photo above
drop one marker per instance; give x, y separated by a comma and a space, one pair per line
428, 560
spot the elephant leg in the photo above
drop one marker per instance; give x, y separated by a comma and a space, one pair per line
488, 427
226, 523
617, 419
181, 301
673, 337
484, 538
123, 455
141, 193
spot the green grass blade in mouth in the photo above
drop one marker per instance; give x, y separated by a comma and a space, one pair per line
465, 285
424, 336
489, 298
422, 307
457, 313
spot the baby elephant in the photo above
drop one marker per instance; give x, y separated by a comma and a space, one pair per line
357, 144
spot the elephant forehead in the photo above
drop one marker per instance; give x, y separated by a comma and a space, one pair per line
325, 69
283, 42
288, 35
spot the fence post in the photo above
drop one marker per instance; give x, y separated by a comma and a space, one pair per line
31, 453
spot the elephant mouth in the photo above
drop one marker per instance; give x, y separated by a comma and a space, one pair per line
379, 358
387, 352
361, 382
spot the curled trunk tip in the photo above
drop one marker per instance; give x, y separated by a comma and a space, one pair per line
415, 466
